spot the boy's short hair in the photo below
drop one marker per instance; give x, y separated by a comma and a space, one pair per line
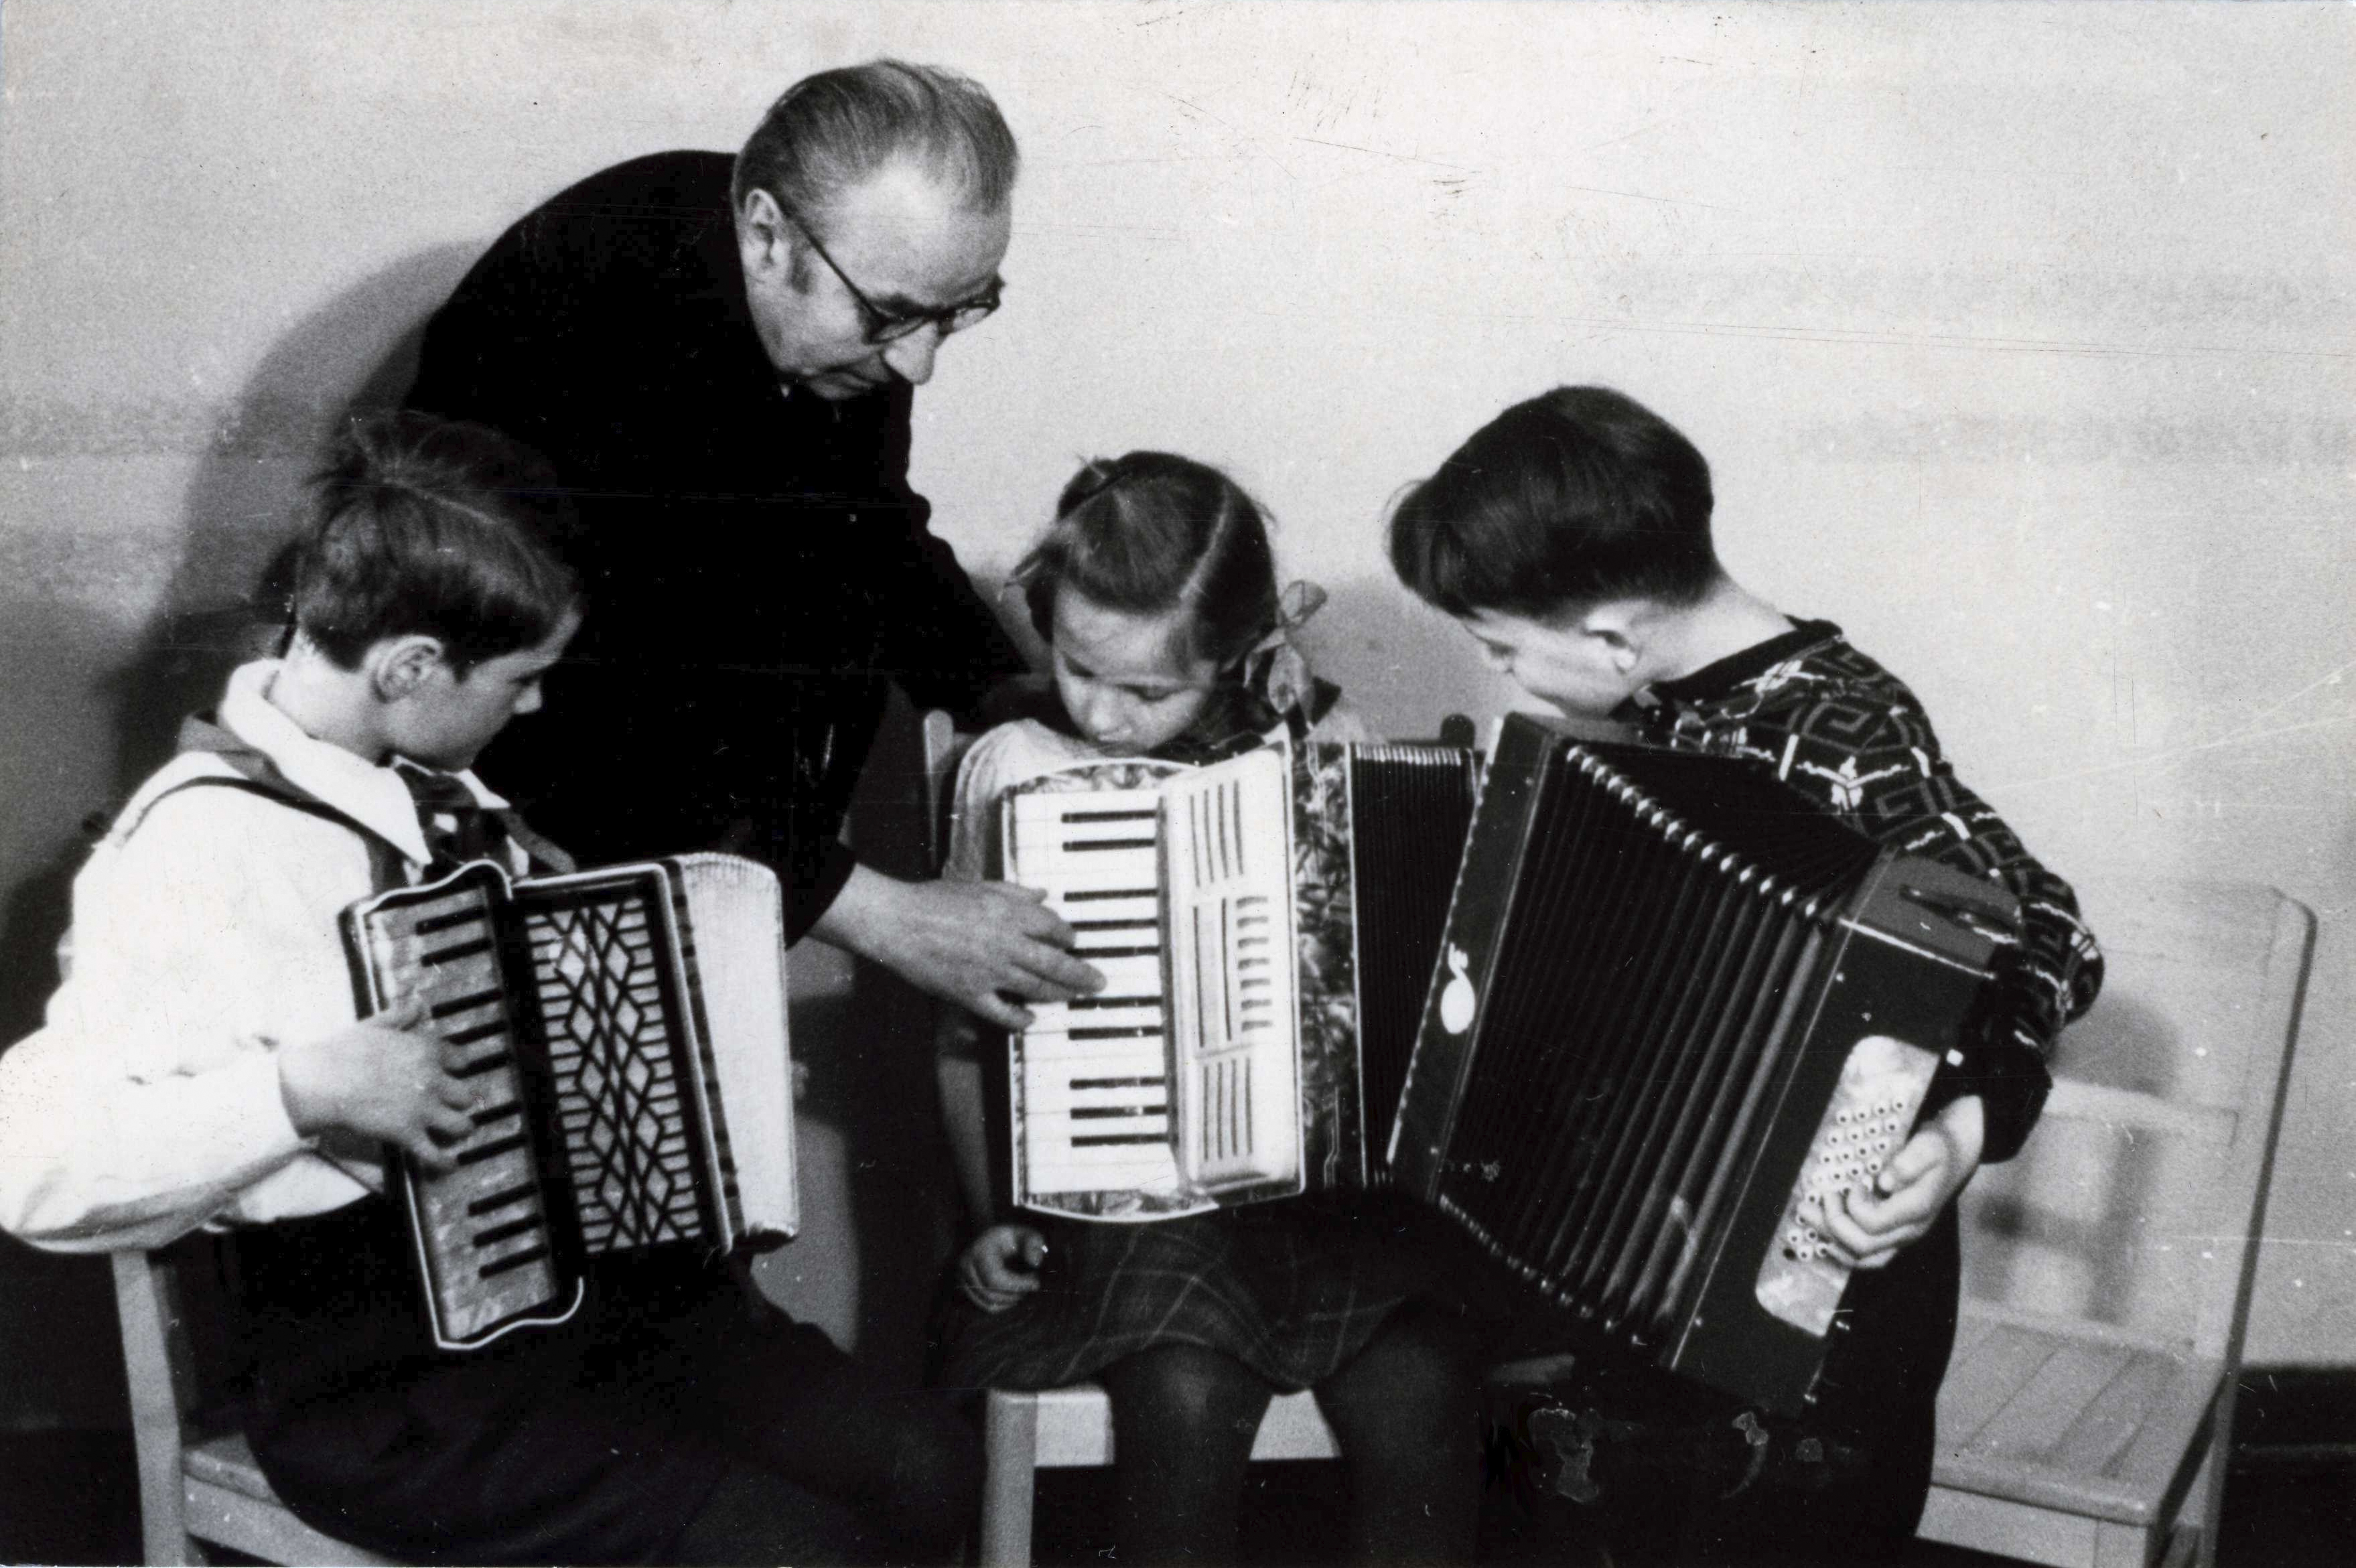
1576, 497
426, 525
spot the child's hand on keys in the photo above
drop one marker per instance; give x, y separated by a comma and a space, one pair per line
382, 1080
1002, 1266
1909, 1194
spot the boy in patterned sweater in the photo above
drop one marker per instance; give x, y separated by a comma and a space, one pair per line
1570, 537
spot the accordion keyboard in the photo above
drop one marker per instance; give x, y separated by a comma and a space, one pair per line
489, 1211
1095, 1080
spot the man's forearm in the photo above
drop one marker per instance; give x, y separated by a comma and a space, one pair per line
861, 913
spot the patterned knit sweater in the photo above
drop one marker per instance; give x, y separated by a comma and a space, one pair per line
1846, 732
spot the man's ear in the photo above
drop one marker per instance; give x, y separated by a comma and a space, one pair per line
763, 235
399, 668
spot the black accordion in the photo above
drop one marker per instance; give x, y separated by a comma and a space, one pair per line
1677, 1008
620, 1022
1266, 926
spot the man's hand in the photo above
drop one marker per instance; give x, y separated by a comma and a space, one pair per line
1002, 1266
382, 1080
1907, 1196
964, 942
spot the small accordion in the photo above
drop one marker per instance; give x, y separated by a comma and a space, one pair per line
1678, 1010
1266, 926
606, 1015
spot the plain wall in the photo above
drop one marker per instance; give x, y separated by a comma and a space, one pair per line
2018, 338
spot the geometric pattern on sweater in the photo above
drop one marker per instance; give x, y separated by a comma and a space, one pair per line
1851, 737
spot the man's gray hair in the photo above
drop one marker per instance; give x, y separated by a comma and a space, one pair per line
833, 131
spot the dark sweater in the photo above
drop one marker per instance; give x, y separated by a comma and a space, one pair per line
758, 567
1846, 732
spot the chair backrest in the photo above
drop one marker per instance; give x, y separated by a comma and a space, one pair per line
2140, 1195
944, 748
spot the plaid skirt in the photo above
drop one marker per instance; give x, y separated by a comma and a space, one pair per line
1293, 1290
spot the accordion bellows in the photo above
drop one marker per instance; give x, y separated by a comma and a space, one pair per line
1678, 1009
620, 1023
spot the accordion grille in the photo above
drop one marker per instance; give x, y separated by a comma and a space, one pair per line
1646, 985
628, 1139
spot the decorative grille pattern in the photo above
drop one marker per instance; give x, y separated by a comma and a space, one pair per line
611, 1047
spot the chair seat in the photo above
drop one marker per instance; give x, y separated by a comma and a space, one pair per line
2075, 1416
1074, 1428
229, 1501
228, 1461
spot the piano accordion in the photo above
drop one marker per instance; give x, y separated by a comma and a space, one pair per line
1677, 1010
1266, 926
608, 1015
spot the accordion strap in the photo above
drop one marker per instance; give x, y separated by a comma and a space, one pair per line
247, 769
253, 771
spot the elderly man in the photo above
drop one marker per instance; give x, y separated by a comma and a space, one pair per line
718, 357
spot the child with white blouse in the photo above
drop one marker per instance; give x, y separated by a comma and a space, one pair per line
202, 1067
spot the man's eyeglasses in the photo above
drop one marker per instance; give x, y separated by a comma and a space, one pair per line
880, 325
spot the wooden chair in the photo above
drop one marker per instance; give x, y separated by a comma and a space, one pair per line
2087, 1415
198, 1479
1071, 1428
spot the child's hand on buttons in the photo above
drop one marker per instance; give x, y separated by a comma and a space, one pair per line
1002, 1266
1908, 1195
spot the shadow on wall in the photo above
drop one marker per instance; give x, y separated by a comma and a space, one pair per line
357, 351
1401, 664
2068, 1204
879, 1201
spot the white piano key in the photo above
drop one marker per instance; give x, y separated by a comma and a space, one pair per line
1135, 1096
1138, 976
1145, 1057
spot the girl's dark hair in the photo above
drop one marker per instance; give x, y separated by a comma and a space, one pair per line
1149, 533
421, 525
1573, 499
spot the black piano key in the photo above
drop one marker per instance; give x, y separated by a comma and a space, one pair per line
438, 956
499, 1233
493, 1150
492, 1202
513, 1261
466, 1004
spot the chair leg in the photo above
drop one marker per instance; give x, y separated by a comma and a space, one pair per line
154, 1413
2204, 1506
1011, 1463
